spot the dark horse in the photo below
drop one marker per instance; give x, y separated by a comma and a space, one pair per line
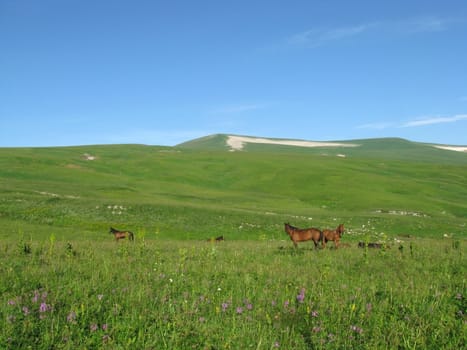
304, 234
370, 245
122, 234
333, 235
217, 239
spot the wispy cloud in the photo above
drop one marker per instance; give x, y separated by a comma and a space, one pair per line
434, 120
422, 24
319, 36
418, 122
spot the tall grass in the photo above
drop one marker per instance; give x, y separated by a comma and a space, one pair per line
165, 294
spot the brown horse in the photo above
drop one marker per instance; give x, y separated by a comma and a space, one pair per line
304, 234
333, 235
122, 234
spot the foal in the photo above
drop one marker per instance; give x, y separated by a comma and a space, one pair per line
122, 234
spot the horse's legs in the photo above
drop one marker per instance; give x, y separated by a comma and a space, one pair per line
316, 244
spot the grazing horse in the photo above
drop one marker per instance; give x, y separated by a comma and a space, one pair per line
333, 235
304, 234
122, 234
372, 245
217, 239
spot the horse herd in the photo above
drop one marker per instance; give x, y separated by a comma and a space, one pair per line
296, 235
316, 235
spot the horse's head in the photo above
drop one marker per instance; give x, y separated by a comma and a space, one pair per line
340, 229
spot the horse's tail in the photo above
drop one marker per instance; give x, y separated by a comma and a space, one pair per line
131, 236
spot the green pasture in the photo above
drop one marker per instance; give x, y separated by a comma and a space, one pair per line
176, 294
66, 284
189, 193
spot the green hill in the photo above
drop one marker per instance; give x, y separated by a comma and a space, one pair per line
200, 189
385, 148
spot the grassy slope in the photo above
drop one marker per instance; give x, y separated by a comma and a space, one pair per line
200, 190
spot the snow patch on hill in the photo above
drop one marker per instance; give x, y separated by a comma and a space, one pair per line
236, 143
453, 148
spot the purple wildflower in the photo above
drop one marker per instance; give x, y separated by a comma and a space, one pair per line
11, 302
301, 296
93, 327
225, 306
25, 310
71, 317
286, 304
35, 298
277, 345
44, 307
239, 310
316, 329
105, 326
314, 313
248, 305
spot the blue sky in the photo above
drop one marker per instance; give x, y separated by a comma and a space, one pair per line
78, 72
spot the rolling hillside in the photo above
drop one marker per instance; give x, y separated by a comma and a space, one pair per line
201, 189
386, 148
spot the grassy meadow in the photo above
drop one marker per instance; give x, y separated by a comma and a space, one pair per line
66, 284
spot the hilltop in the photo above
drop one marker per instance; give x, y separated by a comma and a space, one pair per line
387, 148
